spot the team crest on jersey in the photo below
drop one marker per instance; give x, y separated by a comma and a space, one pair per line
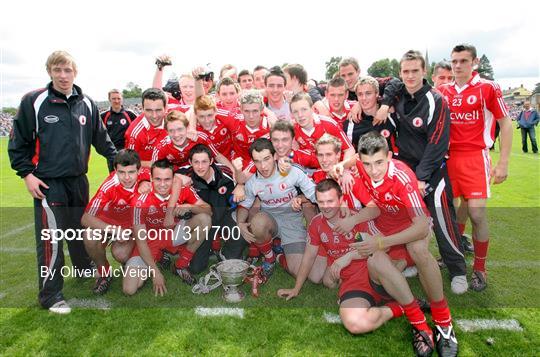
152, 210
170, 157
222, 190
417, 122
409, 188
122, 202
123, 121
324, 237
283, 186
471, 99
239, 137
223, 131
385, 133
388, 196
82, 120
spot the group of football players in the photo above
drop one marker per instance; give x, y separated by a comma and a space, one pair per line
343, 189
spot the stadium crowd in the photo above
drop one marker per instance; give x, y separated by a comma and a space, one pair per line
342, 186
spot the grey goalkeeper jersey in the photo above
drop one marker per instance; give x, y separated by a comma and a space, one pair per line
276, 193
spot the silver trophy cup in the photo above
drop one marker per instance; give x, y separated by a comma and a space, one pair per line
232, 273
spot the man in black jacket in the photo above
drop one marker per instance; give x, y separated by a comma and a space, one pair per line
49, 148
214, 184
116, 120
423, 134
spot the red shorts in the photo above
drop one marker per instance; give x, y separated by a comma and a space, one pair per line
400, 252
355, 283
469, 173
156, 249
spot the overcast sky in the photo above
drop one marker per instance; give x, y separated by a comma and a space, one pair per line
115, 42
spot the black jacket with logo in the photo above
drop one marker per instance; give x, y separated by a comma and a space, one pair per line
117, 123
52, 134
216, 193
423, 127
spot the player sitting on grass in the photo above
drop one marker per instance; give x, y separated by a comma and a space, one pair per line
403, 221
152, 239
110, 211
280, 213
358, 301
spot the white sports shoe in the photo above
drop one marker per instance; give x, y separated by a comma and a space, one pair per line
61, 307
410, 272
459, 284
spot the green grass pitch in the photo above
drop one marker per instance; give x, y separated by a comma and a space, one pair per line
147, 325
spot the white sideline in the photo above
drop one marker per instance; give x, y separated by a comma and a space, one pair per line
219, 311
489, 324
332, 318
17, 230
99, 303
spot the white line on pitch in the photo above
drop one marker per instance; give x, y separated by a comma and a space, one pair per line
219, 311
332, 318
489, 324
99, 303
17, 230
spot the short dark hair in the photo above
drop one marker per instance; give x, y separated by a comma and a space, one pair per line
261, 144
259, 67
161, 164
244, 72
198, 149
284, 126
442, 64
275, 71
412, 55
154, 94
336, 83
297, 71
328, 184
371, 143
465, 47
127, 157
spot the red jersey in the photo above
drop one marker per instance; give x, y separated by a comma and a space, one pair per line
397, 197
175, 104
336, 245
235, 110
220, 135
305, 158
112, 202
321, 125
180, 156
243, 137
142, 137
473, 111
150, 208
358, 198
340, 118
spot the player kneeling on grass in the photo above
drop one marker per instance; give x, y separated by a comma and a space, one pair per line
403, 221
280, 212
346, 267
109, 212
153, 240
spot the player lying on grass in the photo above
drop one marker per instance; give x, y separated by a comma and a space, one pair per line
346, 268
403, 222
280, 212
153, 240
110, 211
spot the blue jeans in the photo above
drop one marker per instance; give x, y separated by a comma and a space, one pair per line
532, 134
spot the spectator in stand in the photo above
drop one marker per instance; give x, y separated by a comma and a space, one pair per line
527, 121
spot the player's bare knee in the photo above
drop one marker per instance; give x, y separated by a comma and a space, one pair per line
329, 282
357, 324
377, 261
316, 277
120, 254
129, 288
418, 251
